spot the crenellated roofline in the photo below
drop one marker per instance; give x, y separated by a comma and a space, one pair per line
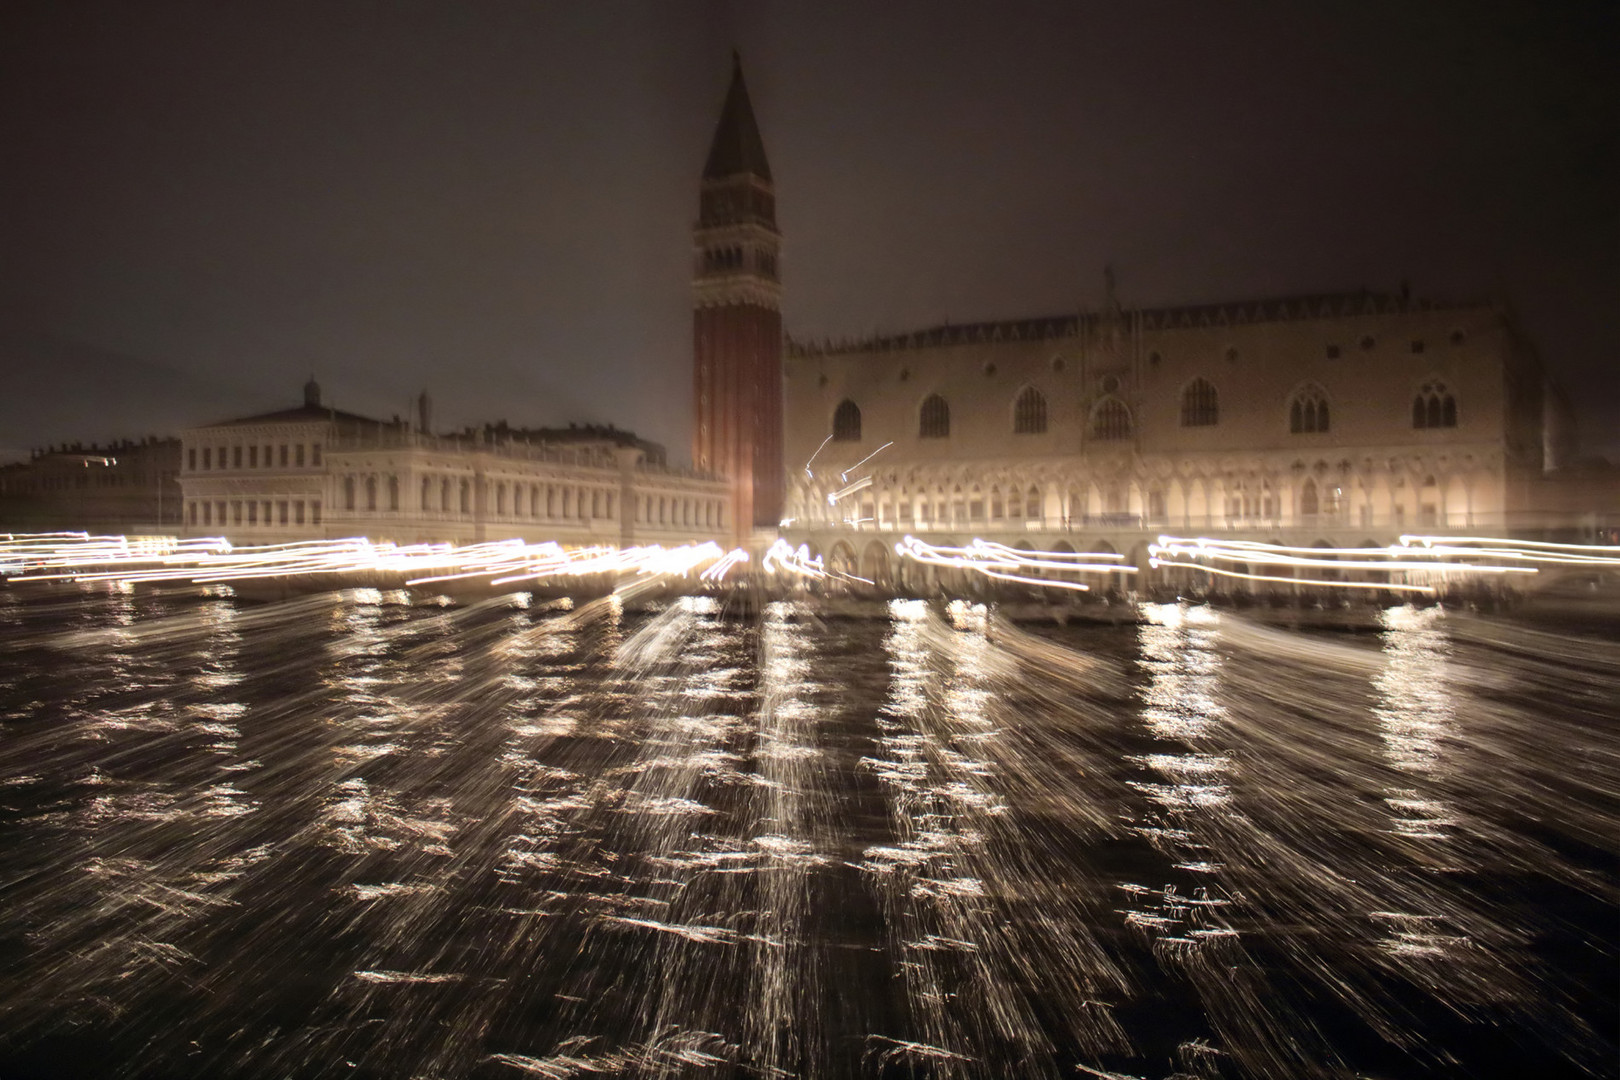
1186, 317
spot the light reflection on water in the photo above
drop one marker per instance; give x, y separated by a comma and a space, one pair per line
352, 833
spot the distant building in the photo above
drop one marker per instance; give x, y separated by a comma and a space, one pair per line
313, 471
122, 487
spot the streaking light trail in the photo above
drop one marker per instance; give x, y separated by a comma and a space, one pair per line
1425, 557
1005, 563
845, 474
84, 558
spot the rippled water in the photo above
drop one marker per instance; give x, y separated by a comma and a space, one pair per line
353, 835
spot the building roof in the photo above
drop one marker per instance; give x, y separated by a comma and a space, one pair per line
303, 414
573, 434
1193, 316
737, 148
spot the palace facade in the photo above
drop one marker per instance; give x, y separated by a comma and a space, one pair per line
1322, 421
314, 472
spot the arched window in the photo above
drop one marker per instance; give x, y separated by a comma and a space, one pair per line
1434, 407
1110, 420
847, 422
1200, 405
371, 493
393, 493
348, 493
1308, 503
934, 422
1032, 503
1308, 412
444, 495
427, 491
466, 497
1029, 413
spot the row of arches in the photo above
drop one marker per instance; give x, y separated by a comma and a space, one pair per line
877, 561
271, 513
1341, 496
1308, 413
735, 258
459, 495
515, 500
680, 512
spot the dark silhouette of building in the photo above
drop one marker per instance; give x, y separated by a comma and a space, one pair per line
737, 321
126, 486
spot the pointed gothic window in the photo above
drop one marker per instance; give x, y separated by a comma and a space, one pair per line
1110, 420
1309, 505
934, 421
1200, 405
1434, 407
847, 422
1029, 413
1308, 412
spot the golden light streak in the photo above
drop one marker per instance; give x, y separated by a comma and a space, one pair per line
1478, 557
862, 484
808, 475
78, 557
844, 476
1003, 563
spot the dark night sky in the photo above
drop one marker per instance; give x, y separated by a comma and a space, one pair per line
202, 204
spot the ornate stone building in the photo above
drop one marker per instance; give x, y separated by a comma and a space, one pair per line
736, 319
1326, 421
313, 471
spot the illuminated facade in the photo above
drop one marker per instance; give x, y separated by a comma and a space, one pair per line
1326, 421
736, 320
314, 472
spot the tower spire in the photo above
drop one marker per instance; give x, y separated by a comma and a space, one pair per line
737, 149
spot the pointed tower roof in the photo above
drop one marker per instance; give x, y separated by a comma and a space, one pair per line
737, 147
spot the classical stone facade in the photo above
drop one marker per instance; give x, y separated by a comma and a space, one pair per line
736, 320
1327, 421
315, 472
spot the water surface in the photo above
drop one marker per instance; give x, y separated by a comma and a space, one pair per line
361, 835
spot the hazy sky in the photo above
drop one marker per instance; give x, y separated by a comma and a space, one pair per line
201, 204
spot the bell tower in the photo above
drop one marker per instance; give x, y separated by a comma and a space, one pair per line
736, 319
